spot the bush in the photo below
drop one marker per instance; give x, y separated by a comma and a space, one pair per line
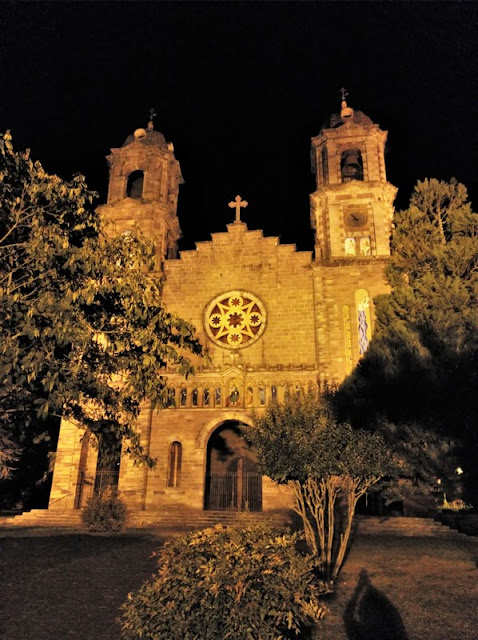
105, 512
227, 582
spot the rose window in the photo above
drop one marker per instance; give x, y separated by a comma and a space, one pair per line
235, 319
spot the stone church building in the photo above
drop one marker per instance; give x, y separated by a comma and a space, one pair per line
273, 320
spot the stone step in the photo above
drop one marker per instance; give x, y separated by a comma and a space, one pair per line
170, 519
199, 520
465, 522
407, 527
72, 519
43, 518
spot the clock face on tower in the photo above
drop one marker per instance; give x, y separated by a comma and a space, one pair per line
355, 219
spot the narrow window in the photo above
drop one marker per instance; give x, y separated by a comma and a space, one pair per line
134, 188
325, 165
184, 395
274, 392
174, 464
194, 397
218, 396
206, 397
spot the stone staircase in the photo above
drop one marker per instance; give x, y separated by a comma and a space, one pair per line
198, 520
43, 518
405, 527
137, 519
183, 520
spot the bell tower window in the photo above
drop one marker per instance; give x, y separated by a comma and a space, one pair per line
351, 165
325, 165
134, 187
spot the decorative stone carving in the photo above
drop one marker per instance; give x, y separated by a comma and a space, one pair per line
235, 319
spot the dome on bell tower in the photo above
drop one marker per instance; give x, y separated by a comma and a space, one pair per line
148, 136
338, 119
346, 115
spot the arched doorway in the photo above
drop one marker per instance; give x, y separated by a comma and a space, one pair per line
233, 482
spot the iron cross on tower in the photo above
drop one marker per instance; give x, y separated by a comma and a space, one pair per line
152, 115
238, 204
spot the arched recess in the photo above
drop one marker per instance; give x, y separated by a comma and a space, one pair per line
233, 481
175, 464
134, 185
351, 165
108, 464
207, 430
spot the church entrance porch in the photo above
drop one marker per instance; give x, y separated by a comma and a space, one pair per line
233, 482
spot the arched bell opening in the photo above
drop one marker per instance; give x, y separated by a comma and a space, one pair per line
134, 186
233, 481
351, 165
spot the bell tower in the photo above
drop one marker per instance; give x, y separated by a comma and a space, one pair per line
143, 189
352, 207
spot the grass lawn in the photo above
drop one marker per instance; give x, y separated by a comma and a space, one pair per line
61, 587
56, 587
395, 588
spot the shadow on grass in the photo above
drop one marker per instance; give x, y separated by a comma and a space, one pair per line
369, 615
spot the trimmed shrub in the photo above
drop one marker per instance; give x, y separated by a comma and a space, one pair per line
105, 512
227, 583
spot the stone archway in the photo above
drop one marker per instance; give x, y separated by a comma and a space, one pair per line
233, 482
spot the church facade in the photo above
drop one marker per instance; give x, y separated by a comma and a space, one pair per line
272, 321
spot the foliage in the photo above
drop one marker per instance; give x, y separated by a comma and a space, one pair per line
227, 582
419, 372
425, 470
104, 512
9, 454
328, 465
83, 332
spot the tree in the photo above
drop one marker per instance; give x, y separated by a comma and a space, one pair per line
420, 368
327, 464
84, 335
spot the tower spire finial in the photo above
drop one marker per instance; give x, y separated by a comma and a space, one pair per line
152, 115
346, 112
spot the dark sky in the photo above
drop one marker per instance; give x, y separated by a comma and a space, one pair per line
240, 88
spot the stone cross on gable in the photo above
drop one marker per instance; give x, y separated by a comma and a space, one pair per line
238, 204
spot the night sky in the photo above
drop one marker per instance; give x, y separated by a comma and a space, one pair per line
240, 88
